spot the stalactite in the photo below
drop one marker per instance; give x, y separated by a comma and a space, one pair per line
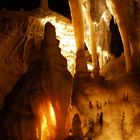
44, 5
124, 25
78, 25
127, 51
77, 21
92, 37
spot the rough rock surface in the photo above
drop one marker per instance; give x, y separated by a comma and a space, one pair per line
31, 76
15, 47
56, 80
116, 99
47, 79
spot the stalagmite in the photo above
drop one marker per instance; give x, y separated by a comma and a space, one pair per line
124, 25
92, 38
81, 62
37, 91
76, 127
56, 80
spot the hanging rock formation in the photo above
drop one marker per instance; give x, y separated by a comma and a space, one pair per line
34, 75
112, 104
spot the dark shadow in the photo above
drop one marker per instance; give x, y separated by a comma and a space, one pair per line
16, 5
60, 6
116, 46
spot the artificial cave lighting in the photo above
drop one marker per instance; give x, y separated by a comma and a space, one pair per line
47, 127
74, 78
65, 34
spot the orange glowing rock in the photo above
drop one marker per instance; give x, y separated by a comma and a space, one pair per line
47, 128
52, 114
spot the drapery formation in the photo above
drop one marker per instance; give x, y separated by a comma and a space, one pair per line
124, 16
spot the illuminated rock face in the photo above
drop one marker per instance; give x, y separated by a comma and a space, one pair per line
13, 60
110, 103
113, 106
56, 80
46, 81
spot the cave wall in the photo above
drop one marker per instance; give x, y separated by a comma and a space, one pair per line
111, 101
33, 73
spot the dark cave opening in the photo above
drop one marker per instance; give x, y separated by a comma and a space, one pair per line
60, 6
116, 45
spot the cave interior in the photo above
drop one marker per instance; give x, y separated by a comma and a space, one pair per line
70, 70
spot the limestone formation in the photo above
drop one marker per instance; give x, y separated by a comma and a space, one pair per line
92, 38
125, 29
44, 5
14, 53
37, 92
56, 80
77, 21
42, 82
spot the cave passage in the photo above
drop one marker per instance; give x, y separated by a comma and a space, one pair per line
116, 45
60, 6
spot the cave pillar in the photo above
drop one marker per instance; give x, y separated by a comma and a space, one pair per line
77, 21
78, 25
94, 51
127, 51
92, 41
121, 14
92, 36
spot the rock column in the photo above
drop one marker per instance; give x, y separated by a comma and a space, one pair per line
56, 79
78, 25
125, 28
